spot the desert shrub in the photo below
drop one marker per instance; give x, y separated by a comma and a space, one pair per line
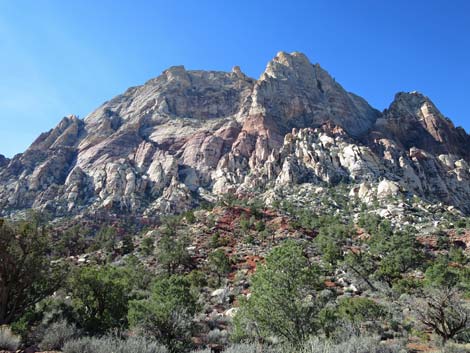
407, 285
217, 336
147, 246
260, 226
444, 311
112, 345
197, 279
127, 245
100, 296
457, 255
461, 223
219, 264
440, 274
8, 340
443, 242
375, 225
453, 349
242, 348
398, 253
172, 251
57, 334
27, 272
285, 300
167, 314
245, 223
355, 344
190, 217
105, 238
358, 310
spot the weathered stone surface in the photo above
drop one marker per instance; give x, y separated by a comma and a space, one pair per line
387, 188
293, 93
414, 121
3, 161
191, 135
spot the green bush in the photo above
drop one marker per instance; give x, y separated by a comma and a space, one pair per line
172, 252
219, 264
100, 296
197, 279
167, 315
147, 246
440, 274
245, 223
398, 253
358, 310
27, 272
190, 217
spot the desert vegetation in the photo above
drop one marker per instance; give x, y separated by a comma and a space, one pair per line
240, 276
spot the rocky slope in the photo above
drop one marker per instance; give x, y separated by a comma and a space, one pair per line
187, 135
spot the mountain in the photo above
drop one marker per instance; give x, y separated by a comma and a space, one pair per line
188, 136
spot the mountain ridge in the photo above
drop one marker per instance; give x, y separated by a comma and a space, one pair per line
192, 135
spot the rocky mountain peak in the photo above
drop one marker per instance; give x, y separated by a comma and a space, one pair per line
177, 73
294, 66
415, 105
189, 135
414, 121
293, 93
236, 70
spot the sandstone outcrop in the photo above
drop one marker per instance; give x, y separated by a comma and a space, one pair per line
191, 135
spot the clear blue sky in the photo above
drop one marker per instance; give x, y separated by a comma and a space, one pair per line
63, 57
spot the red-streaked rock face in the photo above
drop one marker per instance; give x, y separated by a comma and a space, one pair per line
191, 135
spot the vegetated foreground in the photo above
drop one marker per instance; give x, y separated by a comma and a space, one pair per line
317, 271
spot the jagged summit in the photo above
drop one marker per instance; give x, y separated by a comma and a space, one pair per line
413, 120
188, 135
295, 93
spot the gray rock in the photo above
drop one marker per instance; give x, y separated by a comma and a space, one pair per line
187, 136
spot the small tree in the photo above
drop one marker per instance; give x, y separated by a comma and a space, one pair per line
167, 314
27, 273
443, 311
105, 239
127, 245
284, 301
219, 263
441, 274
361, 263
100, 297
172, 252
398, 253
148, 246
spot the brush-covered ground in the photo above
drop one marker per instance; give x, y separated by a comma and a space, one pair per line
308, 269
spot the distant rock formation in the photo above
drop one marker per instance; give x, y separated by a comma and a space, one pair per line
190, 135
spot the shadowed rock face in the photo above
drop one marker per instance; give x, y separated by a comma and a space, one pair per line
188, 135
414, 121
3, 161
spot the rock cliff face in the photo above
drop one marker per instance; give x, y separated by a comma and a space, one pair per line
191, 135
3, 161
414, 121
